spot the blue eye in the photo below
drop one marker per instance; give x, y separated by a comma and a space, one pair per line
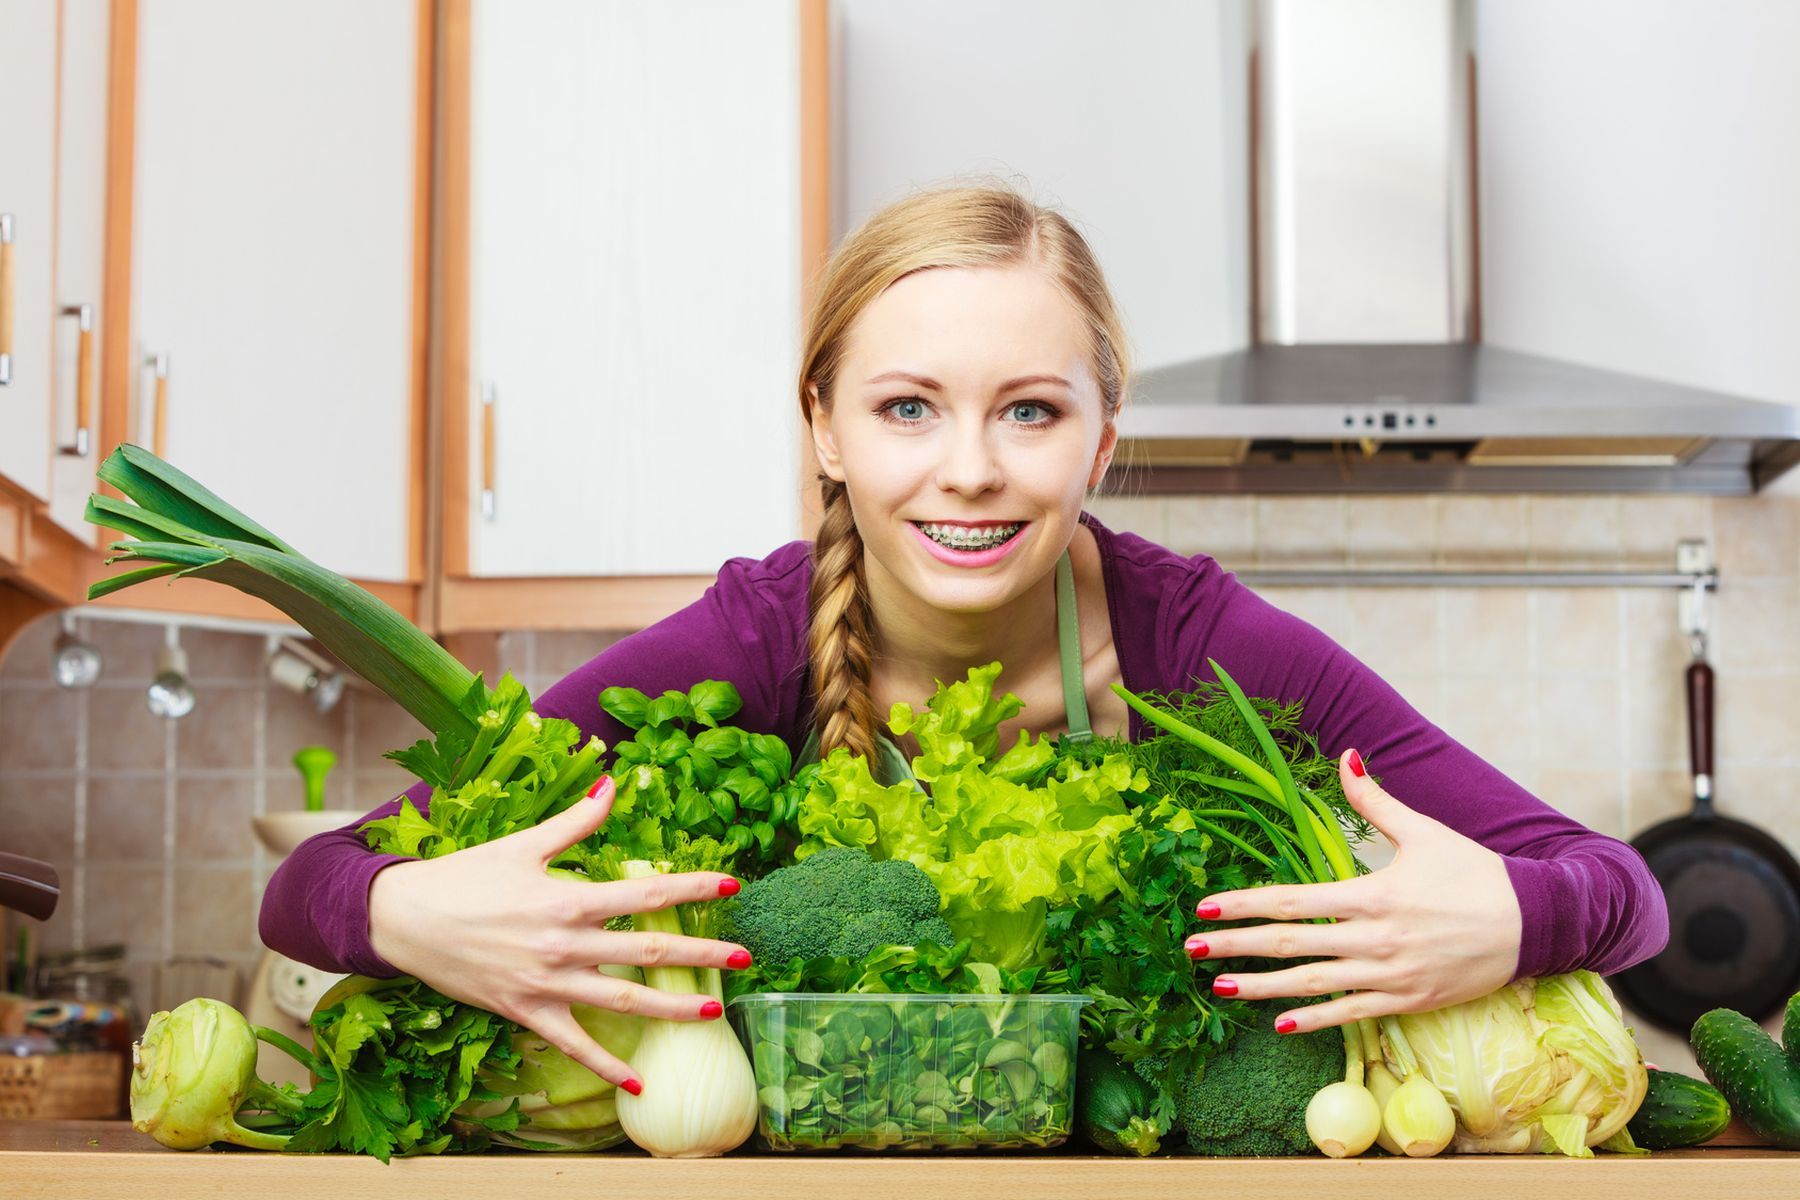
1031, 412
909, 410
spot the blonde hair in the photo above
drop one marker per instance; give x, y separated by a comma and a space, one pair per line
949, 227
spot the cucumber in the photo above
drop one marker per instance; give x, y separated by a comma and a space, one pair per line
1678, 1110
1760, 1081
1790, 1027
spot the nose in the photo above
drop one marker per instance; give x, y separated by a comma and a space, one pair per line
969, 466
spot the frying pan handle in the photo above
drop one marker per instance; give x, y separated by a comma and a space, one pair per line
1700, 733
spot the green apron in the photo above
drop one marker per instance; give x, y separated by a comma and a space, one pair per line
891, 766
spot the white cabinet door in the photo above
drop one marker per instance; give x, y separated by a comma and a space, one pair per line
27, 215
635, 267
273, 262
80, 259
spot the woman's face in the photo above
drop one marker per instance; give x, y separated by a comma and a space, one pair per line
966, 425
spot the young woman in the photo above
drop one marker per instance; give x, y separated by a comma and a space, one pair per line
963, 371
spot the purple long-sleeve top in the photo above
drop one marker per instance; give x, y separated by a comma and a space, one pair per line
1586, 900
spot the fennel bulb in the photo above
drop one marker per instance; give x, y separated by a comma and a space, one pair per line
699, 1094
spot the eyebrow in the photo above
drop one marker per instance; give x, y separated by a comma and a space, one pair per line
926, 382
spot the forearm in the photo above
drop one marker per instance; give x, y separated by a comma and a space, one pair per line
1593, 905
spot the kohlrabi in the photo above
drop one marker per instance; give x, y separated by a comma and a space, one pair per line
193, 1070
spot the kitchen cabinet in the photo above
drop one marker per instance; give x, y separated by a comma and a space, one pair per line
275, 320
82, 90
27, 239
635, 246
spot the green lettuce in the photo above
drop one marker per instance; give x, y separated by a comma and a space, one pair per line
1005, 837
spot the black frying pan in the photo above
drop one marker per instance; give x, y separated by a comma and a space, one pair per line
1734, 902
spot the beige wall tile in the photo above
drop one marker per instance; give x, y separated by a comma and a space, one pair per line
1221, 526
1758, 536
212, 820
380, 726
1575, 532
220, 733
1392, 532
1656, 795
1579, 724
1656, 723
125, 904
1300, 531
1577, 630
37, 727
217, 912
129, 648
1655, 647
1650, 527
1482, 531
214, 656
1486, 631
1758, 720
1595, 798
1142, 515
1494, 718
560, 652
1395, 630
293, 722
122, 732
373, 788
1767, 797
37, 817
28, 656
1757, 625
125, 818
1326, 609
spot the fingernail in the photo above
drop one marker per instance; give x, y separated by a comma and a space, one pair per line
711, 1009
605, 781
737, 960
1196, 948
1356, 765
1207, 911
730, 887
1286, 1025
635, 1087
1224, 987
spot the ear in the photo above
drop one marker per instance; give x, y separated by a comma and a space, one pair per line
825, 448
1109, 440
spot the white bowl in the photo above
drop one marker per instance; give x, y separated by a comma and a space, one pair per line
280, 832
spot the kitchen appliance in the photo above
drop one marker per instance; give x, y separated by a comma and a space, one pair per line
1734, 899
1364, 368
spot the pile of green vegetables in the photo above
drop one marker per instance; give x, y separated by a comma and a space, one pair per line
944, 910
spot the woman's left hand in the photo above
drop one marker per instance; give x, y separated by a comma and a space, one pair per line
1438, 925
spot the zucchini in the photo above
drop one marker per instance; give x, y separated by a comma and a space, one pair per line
1678, 1110
1114, 1106
1760, 1081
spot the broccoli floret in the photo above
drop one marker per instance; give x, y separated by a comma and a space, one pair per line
839, 902
1250, 1098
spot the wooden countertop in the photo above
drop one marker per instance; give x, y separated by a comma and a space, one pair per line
40, 1160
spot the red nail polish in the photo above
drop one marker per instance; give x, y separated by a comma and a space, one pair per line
633, 1086
1196, 948
737, 960
605, 781
1286, 1025
1356, 765
1224, 987
1207, 912
711, 1009
730, 887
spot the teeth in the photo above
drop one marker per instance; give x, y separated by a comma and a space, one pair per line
961, 537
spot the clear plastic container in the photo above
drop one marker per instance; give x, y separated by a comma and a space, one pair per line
911, 1072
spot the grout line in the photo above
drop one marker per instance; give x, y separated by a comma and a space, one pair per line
78, 924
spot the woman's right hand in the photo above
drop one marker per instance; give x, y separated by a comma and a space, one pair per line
487, 926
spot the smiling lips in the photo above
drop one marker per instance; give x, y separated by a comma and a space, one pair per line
969, 543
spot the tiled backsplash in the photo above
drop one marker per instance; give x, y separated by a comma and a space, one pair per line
1575, 693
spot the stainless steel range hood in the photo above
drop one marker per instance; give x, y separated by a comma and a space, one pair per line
1367, 372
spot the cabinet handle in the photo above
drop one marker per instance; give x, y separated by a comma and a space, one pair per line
159, 426
487, 452
84, 380
6, 297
